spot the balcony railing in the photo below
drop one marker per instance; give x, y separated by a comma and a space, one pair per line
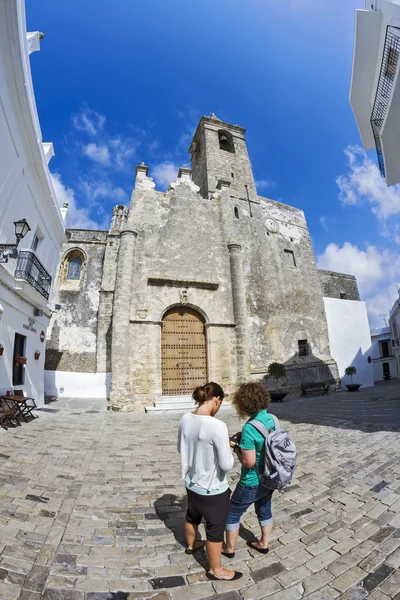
31, 269
390, 59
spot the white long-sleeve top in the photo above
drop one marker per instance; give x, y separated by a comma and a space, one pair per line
206, 456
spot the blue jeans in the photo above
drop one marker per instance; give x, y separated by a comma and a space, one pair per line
242, 498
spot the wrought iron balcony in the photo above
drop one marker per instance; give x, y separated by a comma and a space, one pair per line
31, 269
390, 59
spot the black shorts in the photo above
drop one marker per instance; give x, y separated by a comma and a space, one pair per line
213, 509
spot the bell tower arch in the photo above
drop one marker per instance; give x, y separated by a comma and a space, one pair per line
219, 153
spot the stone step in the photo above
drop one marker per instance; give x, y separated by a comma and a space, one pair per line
177, 404
175, 408
176, 399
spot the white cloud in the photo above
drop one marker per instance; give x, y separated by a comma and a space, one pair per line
363, 183
264, 183
123, 149
104, 188
164, 173
377, 272
326, 222
77, 217
97, 153
89, 121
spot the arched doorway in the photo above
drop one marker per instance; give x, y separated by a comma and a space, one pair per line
183, 351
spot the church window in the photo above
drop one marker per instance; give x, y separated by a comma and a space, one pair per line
226, 141
343, 296
74, 268
236, 212
233, 175
289, 258
303, 347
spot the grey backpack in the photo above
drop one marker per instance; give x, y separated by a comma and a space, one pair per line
280, 456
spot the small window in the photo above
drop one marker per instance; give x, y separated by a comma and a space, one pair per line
19, 351
226, 141
391, 63
35, 242
303, 347
236, 210
233, 175
343, 296
289, 258
385, 348
74, 269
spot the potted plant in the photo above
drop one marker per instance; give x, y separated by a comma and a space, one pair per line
1, 349
352, 387
21, 360
37, 354
277, 371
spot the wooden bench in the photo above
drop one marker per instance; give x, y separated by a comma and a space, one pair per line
317, 388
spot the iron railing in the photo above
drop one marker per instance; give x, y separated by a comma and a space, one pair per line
31, 269
390, 59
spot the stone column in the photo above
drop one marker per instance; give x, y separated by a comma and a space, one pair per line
240, 312
120, 392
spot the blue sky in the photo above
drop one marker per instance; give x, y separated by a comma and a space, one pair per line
122, 82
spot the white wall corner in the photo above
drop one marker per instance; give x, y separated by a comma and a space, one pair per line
33, 39
48, 150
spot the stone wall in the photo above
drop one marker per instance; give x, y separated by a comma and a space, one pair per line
339, 285
72, 336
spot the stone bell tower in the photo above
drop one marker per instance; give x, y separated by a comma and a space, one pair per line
219, 154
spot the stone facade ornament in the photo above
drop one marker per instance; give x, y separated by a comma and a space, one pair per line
184, 178
143, 182
184, 297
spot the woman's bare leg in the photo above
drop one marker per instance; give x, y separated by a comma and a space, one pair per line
214, 550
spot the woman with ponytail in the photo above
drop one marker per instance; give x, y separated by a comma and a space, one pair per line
203, 443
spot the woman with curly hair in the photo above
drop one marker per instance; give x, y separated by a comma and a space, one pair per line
250, 400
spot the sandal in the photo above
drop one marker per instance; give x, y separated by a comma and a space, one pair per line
211, 577
191, 550
228, 554
261, 550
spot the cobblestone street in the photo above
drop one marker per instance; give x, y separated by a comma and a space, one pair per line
92, 506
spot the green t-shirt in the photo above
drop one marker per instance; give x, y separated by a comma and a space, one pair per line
251, 439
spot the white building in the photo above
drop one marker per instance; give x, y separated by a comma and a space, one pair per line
26, 192
382, 354
375, 83
394, 322
349, 339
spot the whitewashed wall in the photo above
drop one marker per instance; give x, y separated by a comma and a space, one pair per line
349, 338
378, 335
76, 385
26, 191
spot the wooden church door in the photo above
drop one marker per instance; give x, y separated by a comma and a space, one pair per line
183, 352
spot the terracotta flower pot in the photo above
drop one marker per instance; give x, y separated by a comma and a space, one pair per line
21, 360
37, 355
1, 350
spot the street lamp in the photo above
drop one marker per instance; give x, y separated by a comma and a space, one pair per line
10, 250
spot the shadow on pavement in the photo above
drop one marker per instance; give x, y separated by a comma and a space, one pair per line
171, 510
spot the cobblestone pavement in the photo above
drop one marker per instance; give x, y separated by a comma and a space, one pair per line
92, 507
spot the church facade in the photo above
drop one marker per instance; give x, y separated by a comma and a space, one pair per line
207, 281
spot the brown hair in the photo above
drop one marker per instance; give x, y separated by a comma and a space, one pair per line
250, 398
205, 392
